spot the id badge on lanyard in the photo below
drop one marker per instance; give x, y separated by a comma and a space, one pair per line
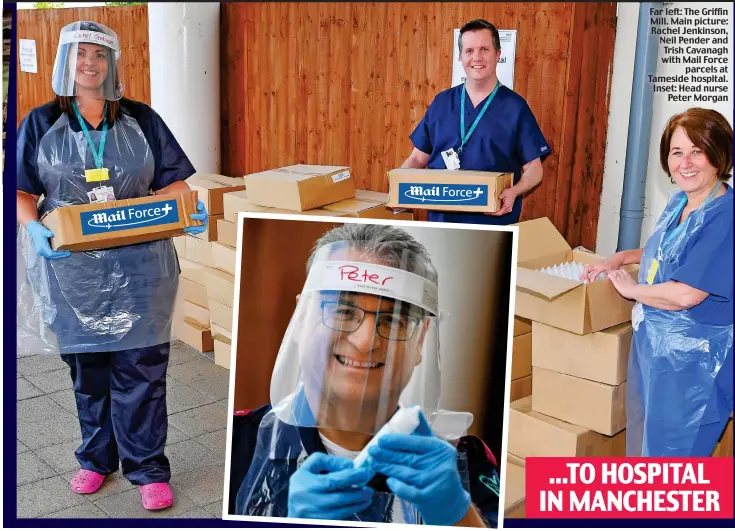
450, 156
97, 174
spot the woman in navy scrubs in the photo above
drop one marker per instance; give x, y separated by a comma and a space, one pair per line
490, 126
108, 312
680, 372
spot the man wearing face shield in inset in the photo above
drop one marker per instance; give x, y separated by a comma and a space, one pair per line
361, 346
108, 312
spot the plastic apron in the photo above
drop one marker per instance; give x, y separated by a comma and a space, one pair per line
95, 301
280, 450
680, 372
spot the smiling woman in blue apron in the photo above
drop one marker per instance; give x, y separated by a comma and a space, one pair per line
680, 371
108, 312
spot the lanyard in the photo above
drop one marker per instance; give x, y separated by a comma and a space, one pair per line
466, 137
95, 153
679, 228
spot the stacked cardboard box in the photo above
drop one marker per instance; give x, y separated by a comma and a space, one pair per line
309, 190
207, 280
520, 373
580, 342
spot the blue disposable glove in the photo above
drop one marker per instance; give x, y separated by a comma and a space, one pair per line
328, 487
39, 237
422, 469
202, 216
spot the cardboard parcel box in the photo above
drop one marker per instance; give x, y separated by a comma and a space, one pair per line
236, 202
601, 356
570, 305
300, 187
371, 205
593, 405
125, 222
452, 190
212, 188
533, 434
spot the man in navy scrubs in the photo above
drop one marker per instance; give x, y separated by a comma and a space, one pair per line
498, 133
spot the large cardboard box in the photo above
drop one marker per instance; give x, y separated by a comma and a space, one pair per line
199, 251
220, 314
94, 226
227, 232
210, 235
197, 314
220, 286
224, 257
192, 270
236, 202
211, 188
567, 304
521, 360
193, 292
222, 351
521, 387
533, 434
194, 335
368, 204
601, 356
451, 190
593, 405
515, 490
300, 187
521, 326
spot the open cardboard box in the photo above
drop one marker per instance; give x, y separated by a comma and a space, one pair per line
570, 305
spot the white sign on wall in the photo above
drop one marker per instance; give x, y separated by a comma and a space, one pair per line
27, 55
505, 65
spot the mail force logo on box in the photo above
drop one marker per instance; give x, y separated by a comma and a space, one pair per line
443, 194
129, 217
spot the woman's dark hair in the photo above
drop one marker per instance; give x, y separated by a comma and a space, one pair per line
709, 131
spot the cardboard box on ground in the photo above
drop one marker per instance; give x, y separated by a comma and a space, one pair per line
95, 226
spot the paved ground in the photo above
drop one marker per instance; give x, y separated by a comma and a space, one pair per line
48, 434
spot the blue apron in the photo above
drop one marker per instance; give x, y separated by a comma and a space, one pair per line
98, 301
680, 374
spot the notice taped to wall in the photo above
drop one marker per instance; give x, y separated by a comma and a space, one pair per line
27, 56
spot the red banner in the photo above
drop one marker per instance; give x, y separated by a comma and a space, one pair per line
562, 487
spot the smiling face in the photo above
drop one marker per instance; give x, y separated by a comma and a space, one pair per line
357, 353
92, 66
690, 168
478, 55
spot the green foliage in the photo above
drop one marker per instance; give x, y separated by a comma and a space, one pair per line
48, 5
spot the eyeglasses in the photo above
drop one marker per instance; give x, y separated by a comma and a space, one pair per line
389, 325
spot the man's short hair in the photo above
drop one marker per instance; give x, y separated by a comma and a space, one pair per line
480, 24
386, 242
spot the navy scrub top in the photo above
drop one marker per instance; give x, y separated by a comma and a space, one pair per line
506, 138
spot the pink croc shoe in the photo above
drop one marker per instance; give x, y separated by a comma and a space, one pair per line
86, 482
156, 496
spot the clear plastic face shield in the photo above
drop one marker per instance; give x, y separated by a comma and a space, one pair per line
362, 341
88, 62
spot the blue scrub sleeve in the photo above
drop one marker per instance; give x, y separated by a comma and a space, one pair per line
27, 179
172, 164
420, 137
530, 141
709, 262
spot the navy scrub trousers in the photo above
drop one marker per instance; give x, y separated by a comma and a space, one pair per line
121, 400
